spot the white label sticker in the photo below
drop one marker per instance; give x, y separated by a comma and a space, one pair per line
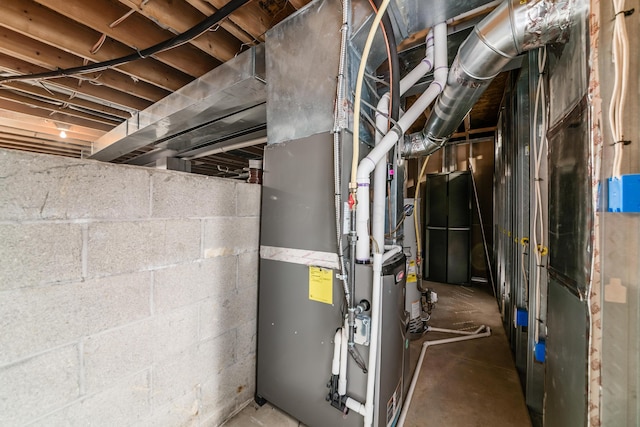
346, 219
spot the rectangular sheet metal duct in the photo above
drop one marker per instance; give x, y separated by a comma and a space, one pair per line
223, 103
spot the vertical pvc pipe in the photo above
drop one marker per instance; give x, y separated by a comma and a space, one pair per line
337, 342
373, 345
344, 358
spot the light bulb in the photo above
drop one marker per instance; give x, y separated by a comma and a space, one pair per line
63, 134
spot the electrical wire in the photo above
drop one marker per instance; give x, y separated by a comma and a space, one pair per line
358, 94
620, 49
539, 141
176, 41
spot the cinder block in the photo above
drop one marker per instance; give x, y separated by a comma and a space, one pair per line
116, 247
248, 263
186, 284
38, 186
246, 339
123, 404
229, 236
249, 199
224, 394
215, 355
174, 377
34, 319
35, 386
183, 373
116, 354
34, 254
219, 315
179, 195
174, 332
184, 411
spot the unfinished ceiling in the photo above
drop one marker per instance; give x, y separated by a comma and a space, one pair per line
38, 36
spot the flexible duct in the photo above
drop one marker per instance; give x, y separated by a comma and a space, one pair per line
513, 28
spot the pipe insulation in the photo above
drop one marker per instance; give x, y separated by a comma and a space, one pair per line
512, 28
368, 164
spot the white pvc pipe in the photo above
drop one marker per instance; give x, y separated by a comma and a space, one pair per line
416, 373
354, 405
382, 113
421, 69
395, 249
368, 164
344, 358
335, 364
450, 331
373, 345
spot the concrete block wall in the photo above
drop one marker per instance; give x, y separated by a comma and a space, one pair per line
127, 295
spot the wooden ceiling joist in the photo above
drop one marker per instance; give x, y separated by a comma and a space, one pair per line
40, 148
257, 17
55, 106
299, 4
18, 67
49, 59
26, 140
178, 17
135, 31
40, 23
206, 9
45, 137
54, 116
51, 94
44, 128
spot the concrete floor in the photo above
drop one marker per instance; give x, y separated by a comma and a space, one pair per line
465, 384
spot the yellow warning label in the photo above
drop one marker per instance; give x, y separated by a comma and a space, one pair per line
321, 285
411, 272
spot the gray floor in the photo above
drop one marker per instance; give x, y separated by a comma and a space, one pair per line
465, 384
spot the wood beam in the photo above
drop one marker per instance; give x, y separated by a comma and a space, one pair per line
40, 149
257, 17
63, 97
35, 141
206, 9
178, 17
49, 58
135, 31
299, 4
48, 114
474, 132
29, 135
15, 122
251, 18
17, 66
43, 24
56, 106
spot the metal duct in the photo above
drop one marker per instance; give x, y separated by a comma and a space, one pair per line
514, 27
